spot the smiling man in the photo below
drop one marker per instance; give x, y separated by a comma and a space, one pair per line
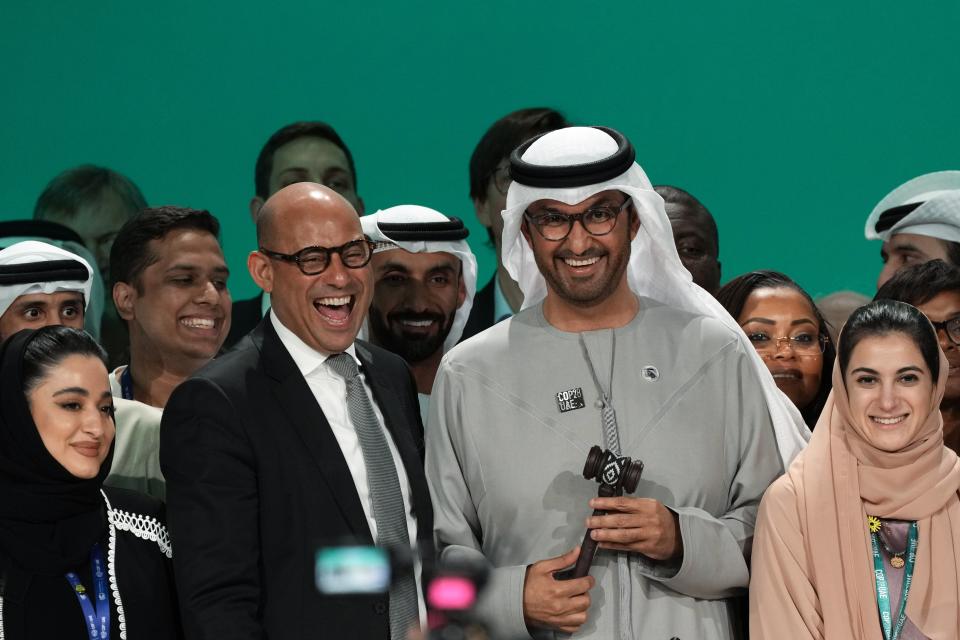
171, 288
308, 151
299, 436
426, 277
614, 346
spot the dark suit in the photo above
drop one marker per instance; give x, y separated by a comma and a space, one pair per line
244, 318
256, 481
481, 314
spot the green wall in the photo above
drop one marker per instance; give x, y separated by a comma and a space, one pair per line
790, 120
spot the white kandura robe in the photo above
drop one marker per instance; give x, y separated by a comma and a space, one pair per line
504, 463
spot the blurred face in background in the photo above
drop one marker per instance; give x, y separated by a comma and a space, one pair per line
311, 159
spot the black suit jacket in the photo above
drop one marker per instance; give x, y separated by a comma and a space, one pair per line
481, 314
244, 318
256, 481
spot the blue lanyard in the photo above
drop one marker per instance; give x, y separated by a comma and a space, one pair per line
883, 593
126, 384
98, 623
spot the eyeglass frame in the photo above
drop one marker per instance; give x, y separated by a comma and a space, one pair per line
296, 258
943, 325
776, 342
573, 218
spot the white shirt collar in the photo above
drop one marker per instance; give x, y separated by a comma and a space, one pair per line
304, 356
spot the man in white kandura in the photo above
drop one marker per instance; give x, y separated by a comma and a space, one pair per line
425, 278
615, 346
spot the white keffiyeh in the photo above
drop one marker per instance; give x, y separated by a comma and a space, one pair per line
655, 270
414, 214
30, 251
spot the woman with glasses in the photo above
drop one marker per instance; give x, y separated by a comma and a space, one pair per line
787, 330
860, 539
77, 561
934, 288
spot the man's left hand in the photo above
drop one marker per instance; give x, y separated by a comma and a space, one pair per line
640, 525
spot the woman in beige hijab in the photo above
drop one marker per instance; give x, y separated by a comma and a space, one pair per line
868, 515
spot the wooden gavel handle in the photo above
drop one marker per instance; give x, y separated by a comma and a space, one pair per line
588, 549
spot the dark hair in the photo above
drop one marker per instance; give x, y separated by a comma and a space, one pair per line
883, 317
678, 196
130, 254
261, 173
733, 296
84, 185
51, 345
920, 283
953, 252
505, 135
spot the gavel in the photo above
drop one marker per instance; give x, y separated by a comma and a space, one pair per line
615, 474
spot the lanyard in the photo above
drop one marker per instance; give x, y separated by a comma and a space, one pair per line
96, 631
883, 594
126, 384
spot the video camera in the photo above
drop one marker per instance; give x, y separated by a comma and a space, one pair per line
451, 588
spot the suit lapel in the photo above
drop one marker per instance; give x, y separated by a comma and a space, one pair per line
299, 406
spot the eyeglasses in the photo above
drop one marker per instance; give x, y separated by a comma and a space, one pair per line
803, 345
501, 179
597, 221
315, 260
950, 327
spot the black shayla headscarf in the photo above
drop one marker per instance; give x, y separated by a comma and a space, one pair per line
49, 518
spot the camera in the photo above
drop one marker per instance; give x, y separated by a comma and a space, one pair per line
451, 588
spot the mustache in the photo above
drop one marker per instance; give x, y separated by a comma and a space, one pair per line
411, 316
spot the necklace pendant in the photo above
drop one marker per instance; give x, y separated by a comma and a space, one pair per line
896, 562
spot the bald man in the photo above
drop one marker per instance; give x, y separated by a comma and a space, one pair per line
300, 436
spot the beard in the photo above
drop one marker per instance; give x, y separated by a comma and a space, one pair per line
585, 293
413, 347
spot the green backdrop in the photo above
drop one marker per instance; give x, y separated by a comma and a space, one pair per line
789, 120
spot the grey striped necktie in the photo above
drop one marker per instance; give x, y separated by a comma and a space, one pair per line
385, 496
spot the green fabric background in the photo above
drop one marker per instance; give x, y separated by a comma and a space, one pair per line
789, 120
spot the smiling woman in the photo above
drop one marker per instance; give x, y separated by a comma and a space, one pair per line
788, 331
62, 536
860, 537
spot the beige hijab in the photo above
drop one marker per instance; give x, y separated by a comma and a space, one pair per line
840, 479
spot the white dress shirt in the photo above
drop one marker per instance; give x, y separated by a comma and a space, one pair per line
330, 390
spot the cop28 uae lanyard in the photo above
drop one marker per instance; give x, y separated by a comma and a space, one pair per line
891, 632
97, 621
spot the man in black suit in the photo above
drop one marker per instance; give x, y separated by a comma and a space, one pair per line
266, 451
489, 179
309, 151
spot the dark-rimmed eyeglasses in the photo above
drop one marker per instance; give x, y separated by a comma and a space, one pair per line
804, 344
597, 221
950, 327
315, 260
